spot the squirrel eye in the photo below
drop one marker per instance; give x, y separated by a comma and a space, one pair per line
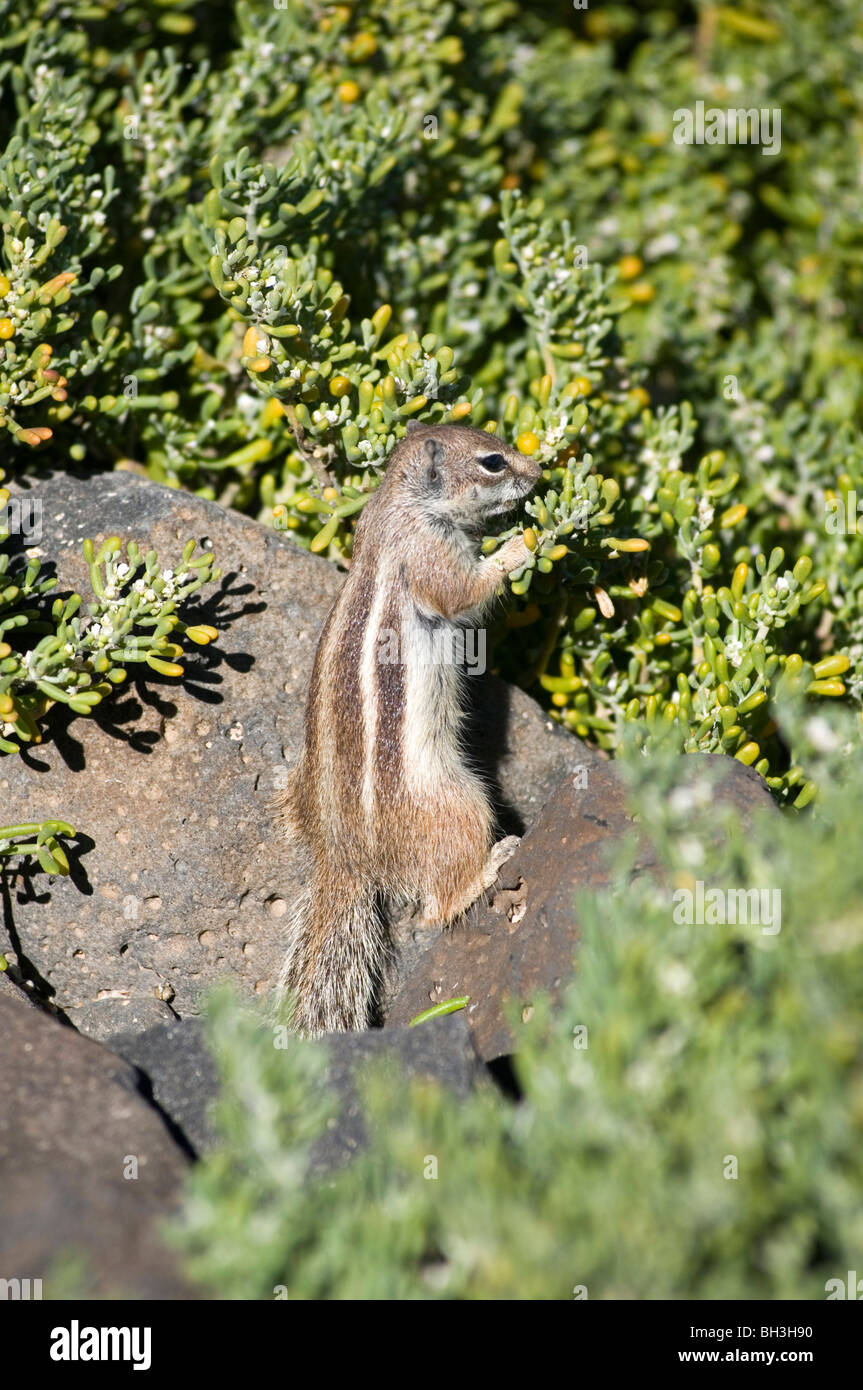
492, 463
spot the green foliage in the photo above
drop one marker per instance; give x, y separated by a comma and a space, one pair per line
240, 253
675, 1050
17, 841
82, 656
61, 653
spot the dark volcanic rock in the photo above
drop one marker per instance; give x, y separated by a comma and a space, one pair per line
178, 1071
179, 875
71, 1123
75, 1115
176, 1068
441, 1049
525, 940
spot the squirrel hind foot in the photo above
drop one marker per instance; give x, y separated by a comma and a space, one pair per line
500, 853
442, 913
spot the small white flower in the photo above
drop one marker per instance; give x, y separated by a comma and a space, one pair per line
675, 978
691, 850
823, 738
681, 801
662, 245
734, 652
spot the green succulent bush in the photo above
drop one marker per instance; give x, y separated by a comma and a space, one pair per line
243, 247
82, 654
64, 652
691, 1113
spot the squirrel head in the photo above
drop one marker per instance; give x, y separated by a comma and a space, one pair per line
459, 475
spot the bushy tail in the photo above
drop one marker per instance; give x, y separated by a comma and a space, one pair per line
338, 950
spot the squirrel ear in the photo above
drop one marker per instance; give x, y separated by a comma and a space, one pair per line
435, 454
412, 425
435, 451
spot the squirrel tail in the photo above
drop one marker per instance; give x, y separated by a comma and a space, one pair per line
338, 952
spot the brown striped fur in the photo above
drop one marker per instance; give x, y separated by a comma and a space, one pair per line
381, 801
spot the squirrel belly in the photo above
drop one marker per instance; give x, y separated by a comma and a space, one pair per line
382, 802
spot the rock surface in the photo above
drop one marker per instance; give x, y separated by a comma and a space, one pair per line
179, 876
177, 1070
76, 1115
441, 1049
525, 940
72, 1122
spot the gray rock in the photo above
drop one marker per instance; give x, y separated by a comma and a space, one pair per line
441, 1049
75, 1114
71, 1123
176, 1068
178, 1071
180, 877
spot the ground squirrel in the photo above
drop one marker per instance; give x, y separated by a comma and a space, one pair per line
382, 802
